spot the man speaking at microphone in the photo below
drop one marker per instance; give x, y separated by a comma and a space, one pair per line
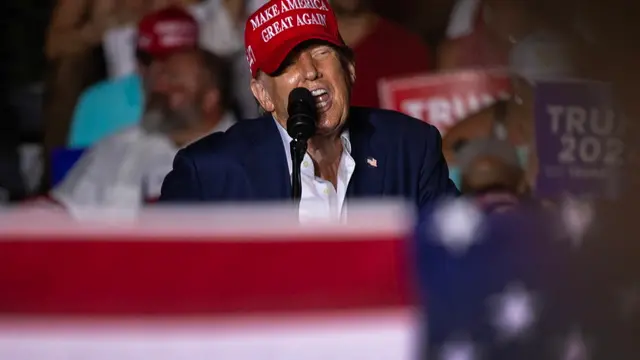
345, 152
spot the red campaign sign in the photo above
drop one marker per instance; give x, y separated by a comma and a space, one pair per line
444, 99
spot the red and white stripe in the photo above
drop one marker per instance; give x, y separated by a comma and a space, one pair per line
205, 283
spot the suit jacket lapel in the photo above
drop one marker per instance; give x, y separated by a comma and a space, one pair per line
268, 172
369, 155
266, 163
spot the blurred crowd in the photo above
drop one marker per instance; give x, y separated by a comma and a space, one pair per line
125, 84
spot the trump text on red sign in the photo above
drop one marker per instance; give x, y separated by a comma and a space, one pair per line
445, 111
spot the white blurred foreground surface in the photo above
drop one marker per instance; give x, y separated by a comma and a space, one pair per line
323, 291
371, 336
364, 217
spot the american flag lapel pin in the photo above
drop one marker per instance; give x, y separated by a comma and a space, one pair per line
372, 162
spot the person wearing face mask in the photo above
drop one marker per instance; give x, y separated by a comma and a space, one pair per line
491, 174
539, 56
355, 152
190, 99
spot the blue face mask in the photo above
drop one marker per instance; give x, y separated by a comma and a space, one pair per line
456, 176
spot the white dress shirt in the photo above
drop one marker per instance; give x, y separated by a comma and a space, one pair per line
320, 199
123, 171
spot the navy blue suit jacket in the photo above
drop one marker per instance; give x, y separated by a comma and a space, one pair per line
248, 162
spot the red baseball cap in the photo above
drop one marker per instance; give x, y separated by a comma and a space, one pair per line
168, 30
280, 25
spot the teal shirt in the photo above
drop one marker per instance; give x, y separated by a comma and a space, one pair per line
456, 177
104, 109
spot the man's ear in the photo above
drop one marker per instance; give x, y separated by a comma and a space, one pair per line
352, 72
261, 94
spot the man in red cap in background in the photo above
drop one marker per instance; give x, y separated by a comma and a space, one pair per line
124, 171
355, 152
113, 105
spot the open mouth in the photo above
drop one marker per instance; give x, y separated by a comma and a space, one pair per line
322, 98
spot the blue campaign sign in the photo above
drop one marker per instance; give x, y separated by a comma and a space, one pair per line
578, 138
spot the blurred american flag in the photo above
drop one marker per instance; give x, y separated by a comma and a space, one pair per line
523, 284
237, 283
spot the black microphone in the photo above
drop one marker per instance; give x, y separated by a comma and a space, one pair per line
303, 115
301, 125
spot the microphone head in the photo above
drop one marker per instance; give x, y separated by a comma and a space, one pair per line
303, 114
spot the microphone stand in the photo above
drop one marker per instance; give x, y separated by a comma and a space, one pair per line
298, 149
